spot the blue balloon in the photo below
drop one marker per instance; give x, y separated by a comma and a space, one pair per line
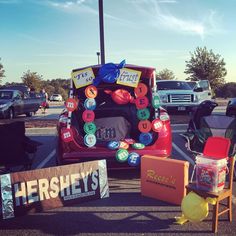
108, 73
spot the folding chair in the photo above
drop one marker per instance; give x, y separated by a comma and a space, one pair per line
225, 194
15, 147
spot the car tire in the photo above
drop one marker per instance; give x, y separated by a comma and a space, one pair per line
29, 114
11, 113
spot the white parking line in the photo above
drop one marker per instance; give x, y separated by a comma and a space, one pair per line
186, 157
178, 131
176, 125
46, 160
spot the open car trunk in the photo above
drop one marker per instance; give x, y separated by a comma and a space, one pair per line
116, 122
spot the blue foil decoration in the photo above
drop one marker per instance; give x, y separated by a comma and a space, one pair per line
108, 73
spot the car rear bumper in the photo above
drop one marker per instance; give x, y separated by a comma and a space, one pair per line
110, 156
180, 107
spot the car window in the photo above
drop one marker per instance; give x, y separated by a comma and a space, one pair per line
6, 94
192, 84
173, 85
18, 95
204, 84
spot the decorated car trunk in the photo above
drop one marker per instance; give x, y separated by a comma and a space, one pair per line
113, 112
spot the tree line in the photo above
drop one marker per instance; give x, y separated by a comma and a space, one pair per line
35, 82
204, 64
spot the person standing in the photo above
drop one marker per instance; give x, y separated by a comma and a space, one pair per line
44, 101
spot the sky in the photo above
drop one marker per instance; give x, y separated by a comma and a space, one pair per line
52, 37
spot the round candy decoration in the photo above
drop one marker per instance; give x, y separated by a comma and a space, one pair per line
145, 138
66, 135
71, 104
90, 140
156, 101
134, 159
90, 128
141, 90
129, 140
141, 102
138, 146
122, 155
144, 126
113, 145
157, 125
124, 145
88, 116
143, 114
90, 104
91, 91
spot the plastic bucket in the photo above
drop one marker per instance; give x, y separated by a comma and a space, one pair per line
210, 173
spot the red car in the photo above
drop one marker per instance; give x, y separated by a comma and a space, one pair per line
116, 121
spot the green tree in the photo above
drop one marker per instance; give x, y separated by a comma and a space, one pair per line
227, 90
165, 74
1, 71
206, 65
32, 80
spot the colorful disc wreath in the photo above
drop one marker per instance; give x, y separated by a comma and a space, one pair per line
90, 104
90, 128
88, 116
144, 126
143, 114
122, 155
90, 140
157, 125
141, 90
156, 101
141, 102
113, 145
138, 146
145, 138
91, 91
71, 104
124, 145
134, 159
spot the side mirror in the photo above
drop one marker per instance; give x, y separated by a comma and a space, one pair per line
198, 89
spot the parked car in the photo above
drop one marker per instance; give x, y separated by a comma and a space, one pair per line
182, 95
231, 107
114, 122
56, 97
14, 102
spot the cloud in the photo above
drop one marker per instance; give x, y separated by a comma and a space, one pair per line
72, 6
162, 18
37, 40
85, 6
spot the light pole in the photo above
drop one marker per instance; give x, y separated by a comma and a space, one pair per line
101, 26
98, 54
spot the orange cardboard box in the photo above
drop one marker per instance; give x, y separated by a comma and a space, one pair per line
163, 178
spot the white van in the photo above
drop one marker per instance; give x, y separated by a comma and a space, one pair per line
183, 95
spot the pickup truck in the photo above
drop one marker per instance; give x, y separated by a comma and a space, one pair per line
14, 102
181, 95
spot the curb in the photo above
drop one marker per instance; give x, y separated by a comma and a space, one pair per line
41, 131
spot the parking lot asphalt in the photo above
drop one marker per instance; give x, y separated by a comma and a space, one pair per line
125, 212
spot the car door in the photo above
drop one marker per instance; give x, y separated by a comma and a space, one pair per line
206, 94
18, 102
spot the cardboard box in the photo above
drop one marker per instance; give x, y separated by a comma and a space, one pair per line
164, 178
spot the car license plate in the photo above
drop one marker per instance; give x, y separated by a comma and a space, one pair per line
181, 108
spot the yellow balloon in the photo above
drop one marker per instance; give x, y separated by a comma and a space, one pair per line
194, 208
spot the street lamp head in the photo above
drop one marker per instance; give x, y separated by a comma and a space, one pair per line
98, 53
